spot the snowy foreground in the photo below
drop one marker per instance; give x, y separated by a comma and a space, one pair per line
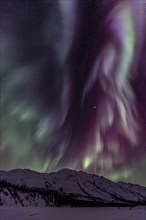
41, 213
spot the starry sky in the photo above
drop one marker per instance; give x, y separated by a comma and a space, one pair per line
72, 89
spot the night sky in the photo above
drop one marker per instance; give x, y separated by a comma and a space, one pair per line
73, 86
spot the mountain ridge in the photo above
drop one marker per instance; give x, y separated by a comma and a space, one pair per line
24, 187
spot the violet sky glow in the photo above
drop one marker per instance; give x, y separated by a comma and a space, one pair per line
73, 86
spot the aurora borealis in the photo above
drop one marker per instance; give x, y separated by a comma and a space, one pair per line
73, 86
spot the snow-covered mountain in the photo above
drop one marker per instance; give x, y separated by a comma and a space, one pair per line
66, 188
